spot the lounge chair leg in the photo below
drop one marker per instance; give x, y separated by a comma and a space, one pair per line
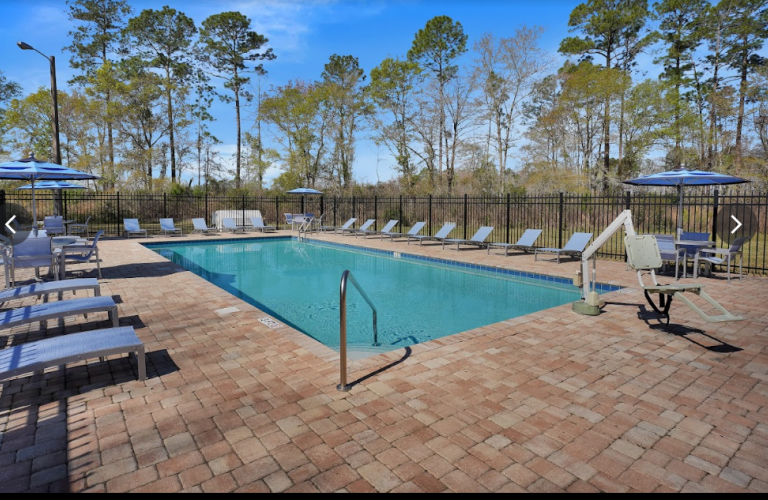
141, 358
113, 316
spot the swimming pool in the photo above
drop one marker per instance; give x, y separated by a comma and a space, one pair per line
418, 299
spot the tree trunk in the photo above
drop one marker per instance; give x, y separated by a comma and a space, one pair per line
237, 110
712, 149
677, 113
171, 140
607, 132
742, 97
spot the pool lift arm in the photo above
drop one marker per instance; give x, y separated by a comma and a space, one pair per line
591, 302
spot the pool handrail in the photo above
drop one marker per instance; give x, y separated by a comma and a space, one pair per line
346, 276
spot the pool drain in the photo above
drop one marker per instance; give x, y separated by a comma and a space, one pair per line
270, 323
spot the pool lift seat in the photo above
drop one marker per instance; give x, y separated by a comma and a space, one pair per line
643, 255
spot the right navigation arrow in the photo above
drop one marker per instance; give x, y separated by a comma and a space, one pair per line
738, 222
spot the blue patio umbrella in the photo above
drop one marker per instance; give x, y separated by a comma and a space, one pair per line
682, 177
52, 185
32, 169
305, 191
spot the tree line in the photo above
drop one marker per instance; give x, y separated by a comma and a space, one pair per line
487, 116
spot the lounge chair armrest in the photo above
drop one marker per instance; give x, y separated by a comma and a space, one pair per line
715, 251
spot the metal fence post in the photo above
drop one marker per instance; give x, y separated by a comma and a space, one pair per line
205, 209
508, 200
117, 222
3, 212
430, 214
627, 204
465, 215
165, 206
376, 212
322, 205
335, 209
400, 210
714, 215
560, 223
243, 220
277, 211
354, 212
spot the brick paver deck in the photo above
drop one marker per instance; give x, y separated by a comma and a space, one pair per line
552, 401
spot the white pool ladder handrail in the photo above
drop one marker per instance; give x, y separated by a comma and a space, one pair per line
346, 276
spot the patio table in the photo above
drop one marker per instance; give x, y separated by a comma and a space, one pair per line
695, 243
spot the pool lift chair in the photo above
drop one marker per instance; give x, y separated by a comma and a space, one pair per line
642, 255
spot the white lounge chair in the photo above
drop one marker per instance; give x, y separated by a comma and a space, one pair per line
131, 228
347, 227
54, 225
79, 229
721, 256
168, 227
574, 247
478, 239
6, 248
58, 310
364, 227
670, 252
201, 227
35, 252
36, 356
440, 236
50, 287
81, 254
525, 243
258, 225
416, 229
229, 225
387, 227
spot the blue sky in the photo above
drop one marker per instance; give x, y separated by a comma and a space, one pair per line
303, 35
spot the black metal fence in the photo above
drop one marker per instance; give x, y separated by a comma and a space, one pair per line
558, 215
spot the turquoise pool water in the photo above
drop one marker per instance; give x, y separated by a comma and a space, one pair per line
418, 299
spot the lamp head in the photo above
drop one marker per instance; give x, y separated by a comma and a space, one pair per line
24, 46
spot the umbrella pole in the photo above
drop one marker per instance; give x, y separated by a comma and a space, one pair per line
680, 212
34, 208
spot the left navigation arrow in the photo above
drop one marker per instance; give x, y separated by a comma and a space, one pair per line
8, 225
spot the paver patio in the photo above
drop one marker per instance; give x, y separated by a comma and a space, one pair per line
552, 401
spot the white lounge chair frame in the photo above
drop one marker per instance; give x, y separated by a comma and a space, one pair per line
440, 236
346, 227
364, 227
201, 227
524, 243
387, 227
573, 247
131, 228
258, 224
413, 231
168, 227
58, 310
230, 226
50, 287
478, 239
41, 354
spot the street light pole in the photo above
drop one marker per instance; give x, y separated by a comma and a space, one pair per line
55, 145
